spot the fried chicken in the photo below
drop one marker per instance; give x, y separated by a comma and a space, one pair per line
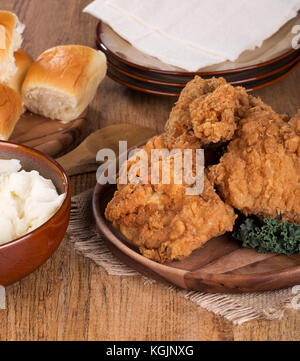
295, 123
179, 127
165, 222
260, 173
206, 112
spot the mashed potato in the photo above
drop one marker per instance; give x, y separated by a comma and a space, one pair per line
27, 200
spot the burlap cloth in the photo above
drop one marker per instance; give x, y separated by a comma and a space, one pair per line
238, 309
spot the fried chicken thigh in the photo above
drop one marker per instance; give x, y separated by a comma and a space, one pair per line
260, 173
164, 221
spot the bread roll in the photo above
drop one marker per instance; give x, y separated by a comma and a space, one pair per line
23, 62
10, 110
63, 81
10, 41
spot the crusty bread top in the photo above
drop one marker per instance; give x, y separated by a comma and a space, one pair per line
23, 63
10, 110
67, 68
8, 23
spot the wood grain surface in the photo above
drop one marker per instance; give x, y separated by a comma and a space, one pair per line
69, 298
83, 158
49, 136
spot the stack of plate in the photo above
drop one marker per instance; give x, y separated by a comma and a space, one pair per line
254, 69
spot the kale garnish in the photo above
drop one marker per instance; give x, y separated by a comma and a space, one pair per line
272, 236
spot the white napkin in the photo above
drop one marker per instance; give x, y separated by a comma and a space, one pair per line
196, 33
150, 41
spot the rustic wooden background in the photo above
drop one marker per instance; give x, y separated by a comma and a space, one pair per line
69, 298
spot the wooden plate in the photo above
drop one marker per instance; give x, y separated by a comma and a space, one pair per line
172, 91
273, 50
48, 136
221, 266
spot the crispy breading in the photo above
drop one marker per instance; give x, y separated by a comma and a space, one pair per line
179, 127
207, 112
260, 173
295, 122
215, 116
164, 221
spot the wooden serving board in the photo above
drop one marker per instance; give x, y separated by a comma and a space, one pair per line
220, 266
48, 136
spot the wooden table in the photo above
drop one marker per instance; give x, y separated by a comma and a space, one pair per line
69, 298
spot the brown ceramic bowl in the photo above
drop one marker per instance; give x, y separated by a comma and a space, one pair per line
22, 256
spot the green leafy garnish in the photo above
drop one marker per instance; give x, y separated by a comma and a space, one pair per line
272, 236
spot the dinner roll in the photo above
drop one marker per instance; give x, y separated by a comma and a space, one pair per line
10, 41
63, 81
10, 110
23, 62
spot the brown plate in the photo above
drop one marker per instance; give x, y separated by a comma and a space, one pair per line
275, 79
165, 90
181, 81
268, 73
49, 136
135, 85
273, 50
220, 266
